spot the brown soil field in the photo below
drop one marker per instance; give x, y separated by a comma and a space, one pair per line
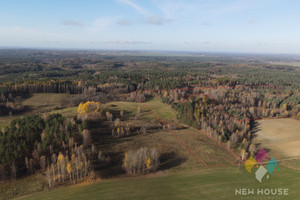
282, 138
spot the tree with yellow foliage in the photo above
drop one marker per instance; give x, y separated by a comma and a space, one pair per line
220, 138
166, 94
79, 109
138, 113
107, 115
61, 166
148, 162
69, 170
89, 110
285, 107
89, 107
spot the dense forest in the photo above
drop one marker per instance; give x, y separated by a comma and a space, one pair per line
73, 72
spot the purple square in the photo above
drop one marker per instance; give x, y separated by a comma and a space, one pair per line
261, 155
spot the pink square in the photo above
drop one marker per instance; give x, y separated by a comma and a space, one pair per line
261, 155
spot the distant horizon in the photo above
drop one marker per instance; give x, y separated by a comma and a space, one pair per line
145, 50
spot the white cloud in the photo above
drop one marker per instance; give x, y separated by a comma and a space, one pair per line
134, 6
125, 22
148, 18
198, 43
218, 9
156, 20
252, 21
72, 23
206, 24
124, 42
175, 9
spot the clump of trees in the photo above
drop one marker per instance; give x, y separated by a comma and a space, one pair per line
141, 161
63, 167
122, 129
19, 140
109, 116
118, 127
33, 142
137, 97
10, 104
89, 110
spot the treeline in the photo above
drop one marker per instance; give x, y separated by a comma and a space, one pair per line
62, 86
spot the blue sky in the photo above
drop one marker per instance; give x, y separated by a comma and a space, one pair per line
258, 26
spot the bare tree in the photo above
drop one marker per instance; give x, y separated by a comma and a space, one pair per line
121, 114
43, 163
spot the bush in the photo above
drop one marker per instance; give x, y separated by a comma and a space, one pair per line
165, 100
141, 161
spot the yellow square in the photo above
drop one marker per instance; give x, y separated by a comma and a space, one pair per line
249, 164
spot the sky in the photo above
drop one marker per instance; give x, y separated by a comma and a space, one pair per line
246, 26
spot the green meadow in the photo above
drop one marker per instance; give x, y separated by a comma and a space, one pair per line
203, 183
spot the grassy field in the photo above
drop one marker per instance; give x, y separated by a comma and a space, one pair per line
22, 186
46, 102
282, 138
174, 154
213, 183
294, 64
163, 111
66, 112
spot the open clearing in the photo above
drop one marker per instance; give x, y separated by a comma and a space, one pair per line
163, 111
43, 102
46, 102
294, 64
281, 137
174, 154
